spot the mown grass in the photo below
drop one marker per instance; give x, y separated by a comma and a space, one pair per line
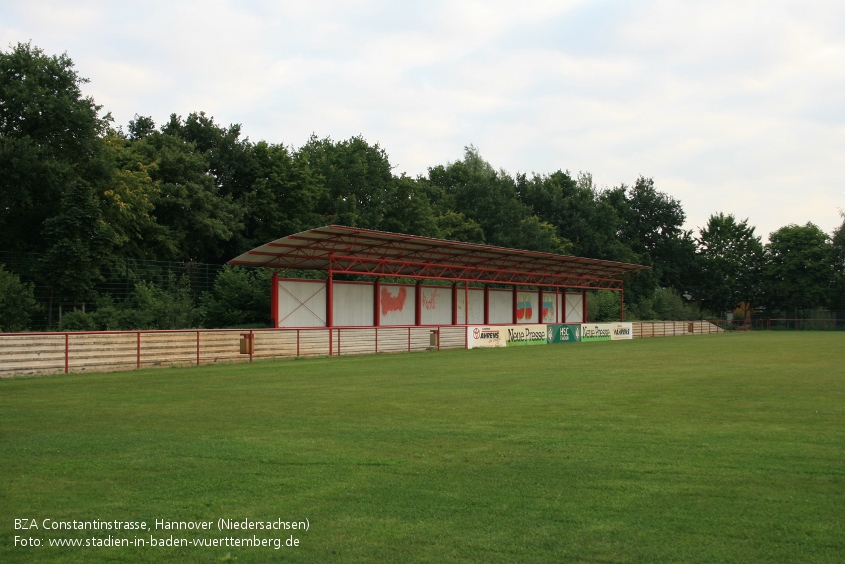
727, 448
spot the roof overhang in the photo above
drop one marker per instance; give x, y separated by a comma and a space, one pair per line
348, 250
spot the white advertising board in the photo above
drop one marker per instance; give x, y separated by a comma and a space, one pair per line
485, 336
621, 331
506, 335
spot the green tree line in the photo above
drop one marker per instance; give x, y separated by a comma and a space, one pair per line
84, 195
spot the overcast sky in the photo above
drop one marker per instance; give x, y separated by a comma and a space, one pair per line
735, 107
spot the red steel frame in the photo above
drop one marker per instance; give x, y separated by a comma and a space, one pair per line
346, 250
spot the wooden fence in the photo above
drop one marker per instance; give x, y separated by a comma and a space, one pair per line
646, 329
41, 353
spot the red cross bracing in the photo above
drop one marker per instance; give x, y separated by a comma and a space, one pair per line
347, 250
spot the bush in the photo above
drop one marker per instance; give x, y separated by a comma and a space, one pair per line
603, 306
240, 298
78, 320
169, 306
665, 304
17, 302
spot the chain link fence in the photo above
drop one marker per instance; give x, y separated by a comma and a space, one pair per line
119, 279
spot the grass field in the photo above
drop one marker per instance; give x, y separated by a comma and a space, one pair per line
722, 448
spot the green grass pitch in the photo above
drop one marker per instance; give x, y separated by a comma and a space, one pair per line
722, 448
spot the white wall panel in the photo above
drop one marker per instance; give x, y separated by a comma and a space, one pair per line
476, 306
353, 304
527, 307
302, 303
436, 305
574, 308
501, 307
397, 304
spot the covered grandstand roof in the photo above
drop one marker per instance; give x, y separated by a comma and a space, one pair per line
349, 250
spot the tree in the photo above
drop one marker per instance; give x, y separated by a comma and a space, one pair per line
80, 244
17, 302
732, 261
240, 298
196, 220
357, 178
798, 268
837, 296
49, 140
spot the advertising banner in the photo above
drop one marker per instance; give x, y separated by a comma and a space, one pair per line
622, 331
485, 337
568, 333
520, 335
592, 332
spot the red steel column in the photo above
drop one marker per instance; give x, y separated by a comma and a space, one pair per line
274, 300
377, 303
67, 353
418, 308
486, 304
329, 298
540, 304
515, 302
330, 306
622, 303
466, 307
584, 306
455, 303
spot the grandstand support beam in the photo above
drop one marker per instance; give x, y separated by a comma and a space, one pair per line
583, 306
455, 303
540, 304
486, 304
330, 295
515, 302
424, 270
274, 299
466, 302
377, 302
622, 304
418, 306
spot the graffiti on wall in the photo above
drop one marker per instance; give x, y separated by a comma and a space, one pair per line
549, 308
389, 302
523, 307
430, 302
